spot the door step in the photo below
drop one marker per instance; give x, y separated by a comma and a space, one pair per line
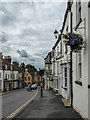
66, 103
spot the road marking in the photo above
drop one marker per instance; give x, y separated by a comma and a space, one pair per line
12, 115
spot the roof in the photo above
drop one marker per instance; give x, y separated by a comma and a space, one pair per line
34, 73
5, 62
66, 13
47, 55
59, 38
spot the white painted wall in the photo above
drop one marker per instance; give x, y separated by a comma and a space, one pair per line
80, 93
1, 79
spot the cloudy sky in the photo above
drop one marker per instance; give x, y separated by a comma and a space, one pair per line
27, 29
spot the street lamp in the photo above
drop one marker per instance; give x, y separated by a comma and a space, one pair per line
56, 33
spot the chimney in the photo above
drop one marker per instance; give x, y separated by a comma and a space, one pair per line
1, 56
8, 58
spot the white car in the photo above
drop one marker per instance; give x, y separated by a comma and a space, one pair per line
34, 86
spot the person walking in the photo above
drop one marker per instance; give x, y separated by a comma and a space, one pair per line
28, 87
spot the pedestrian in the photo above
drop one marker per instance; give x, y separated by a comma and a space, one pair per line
28, 87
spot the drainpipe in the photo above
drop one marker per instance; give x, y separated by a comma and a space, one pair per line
71, 82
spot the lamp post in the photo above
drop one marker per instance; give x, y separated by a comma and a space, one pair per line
41, 72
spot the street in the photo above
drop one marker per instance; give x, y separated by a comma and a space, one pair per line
48, 106
12, 101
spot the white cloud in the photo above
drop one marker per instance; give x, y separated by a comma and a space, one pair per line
29, 27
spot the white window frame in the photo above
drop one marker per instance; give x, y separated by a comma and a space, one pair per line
64, 78
8, 76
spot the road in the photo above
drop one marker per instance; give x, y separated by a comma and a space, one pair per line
12, 101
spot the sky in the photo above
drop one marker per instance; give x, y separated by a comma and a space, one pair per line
27, 29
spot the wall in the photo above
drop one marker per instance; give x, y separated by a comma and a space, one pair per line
80, 93
1, 79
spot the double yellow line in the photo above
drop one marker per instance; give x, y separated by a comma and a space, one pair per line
12, 115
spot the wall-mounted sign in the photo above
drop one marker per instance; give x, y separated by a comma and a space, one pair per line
48, 71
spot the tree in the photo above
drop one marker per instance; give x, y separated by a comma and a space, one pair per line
31, 68
41, 72
22, 66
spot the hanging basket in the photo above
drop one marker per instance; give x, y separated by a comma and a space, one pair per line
74, 40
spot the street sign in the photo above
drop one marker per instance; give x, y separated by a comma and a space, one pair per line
48, 71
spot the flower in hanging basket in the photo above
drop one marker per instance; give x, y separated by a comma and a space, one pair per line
64, 38
74, 40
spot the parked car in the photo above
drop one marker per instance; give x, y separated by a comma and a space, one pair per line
34, 86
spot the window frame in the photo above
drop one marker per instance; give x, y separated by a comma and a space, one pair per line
78, 11
29, 78
0, 75
79, 65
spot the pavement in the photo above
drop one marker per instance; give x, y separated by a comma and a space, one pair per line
8, 92
49, 106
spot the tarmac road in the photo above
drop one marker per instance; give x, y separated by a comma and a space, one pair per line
13, 100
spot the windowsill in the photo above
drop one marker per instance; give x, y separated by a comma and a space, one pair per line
89, 86
78, 82
64, 88
78, 24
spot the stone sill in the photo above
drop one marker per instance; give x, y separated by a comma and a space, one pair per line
64, 88
78, 82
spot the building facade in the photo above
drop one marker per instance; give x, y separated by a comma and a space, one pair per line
48, 70
74, 84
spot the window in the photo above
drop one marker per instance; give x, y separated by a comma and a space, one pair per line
5, 76
6, 67
17, 76
25, 78
58, 50
0, 84
9, 67
27, 74
0, 75
28, 78
78, 11
38, 78
13, 76
8, 76
57, 67
13, 68
79, 66
66, 49
49, 67
64, 77
65, 74
57, 83
33, 78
